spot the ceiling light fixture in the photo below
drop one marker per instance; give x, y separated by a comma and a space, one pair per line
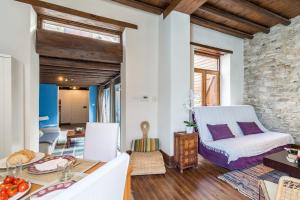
60, 78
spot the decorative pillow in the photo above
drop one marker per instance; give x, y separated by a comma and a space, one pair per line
220, 131
145, 145
249, 128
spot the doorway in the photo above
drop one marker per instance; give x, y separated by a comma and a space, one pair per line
73, 106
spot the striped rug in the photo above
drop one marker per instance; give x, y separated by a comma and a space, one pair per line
76, 148
246, 181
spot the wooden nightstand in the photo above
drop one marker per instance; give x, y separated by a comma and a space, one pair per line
185, 150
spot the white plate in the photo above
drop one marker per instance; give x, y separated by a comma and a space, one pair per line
20, 194
38, 156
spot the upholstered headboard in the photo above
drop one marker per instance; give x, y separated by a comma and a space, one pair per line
229, 115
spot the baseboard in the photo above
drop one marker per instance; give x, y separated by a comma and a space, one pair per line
169, 160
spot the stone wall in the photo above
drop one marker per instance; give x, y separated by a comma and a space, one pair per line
272, 77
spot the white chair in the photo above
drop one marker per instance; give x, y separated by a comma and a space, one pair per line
101, 140
107, 183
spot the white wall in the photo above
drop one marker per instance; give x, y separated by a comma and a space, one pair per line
141, 62
17, 36
174, 77
232, 80
140, 68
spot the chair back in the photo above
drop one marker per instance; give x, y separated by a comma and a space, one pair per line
107, 182
101, 140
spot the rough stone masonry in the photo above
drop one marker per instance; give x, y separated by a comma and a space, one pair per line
272, 77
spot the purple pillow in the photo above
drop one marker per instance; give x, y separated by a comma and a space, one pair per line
220, 131
249, 128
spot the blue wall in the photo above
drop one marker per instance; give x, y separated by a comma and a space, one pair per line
49, 105
92, 104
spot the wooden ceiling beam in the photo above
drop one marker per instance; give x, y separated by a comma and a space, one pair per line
88, 65
185, 6
220, 13
61, 45
70, 11
247, 4
77, 74
142, 6
218, 27
62, 69
211, 48
75, 78
77, 83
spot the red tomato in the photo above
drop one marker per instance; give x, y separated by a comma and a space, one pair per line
2, 185
23, 187
8, 186
4, 197
3, 191
12, 191
18, 181
8, 179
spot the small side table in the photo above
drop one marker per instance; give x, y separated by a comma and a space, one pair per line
72, 134
185, 150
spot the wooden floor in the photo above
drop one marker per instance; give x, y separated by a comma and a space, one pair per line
194, 184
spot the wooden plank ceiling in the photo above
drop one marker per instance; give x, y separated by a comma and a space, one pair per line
240, 18
70, 60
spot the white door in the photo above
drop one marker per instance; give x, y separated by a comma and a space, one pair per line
74, 106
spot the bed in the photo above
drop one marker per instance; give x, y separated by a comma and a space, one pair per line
241, 151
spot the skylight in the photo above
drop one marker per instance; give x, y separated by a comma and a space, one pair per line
52, 26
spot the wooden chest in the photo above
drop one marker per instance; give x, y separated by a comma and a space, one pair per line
185, 150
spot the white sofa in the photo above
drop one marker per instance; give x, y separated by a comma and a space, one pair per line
240, 148
48, 139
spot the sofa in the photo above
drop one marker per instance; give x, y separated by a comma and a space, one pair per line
48, 139
241, 151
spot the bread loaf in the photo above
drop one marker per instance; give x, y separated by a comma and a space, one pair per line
21, 157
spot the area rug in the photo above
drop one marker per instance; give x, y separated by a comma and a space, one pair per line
246, 181
76, 148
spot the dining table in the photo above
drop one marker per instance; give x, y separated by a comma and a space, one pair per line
84, 167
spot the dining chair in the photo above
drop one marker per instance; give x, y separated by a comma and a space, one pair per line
101, 140
107, 183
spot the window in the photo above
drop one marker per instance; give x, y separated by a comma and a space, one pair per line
206, 79
54, 26
106, 105
118, 103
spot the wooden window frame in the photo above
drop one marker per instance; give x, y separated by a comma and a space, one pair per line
204, 72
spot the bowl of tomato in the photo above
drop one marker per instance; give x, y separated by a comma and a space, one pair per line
13, 188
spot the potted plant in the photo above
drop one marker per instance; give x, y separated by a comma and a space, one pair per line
190, 126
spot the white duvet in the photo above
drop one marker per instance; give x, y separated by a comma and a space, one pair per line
251, 145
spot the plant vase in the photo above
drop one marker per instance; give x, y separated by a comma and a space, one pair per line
189, 129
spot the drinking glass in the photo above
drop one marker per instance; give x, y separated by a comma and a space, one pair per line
65, 169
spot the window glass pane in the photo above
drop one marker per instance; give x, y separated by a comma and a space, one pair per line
212, 96
52, 26
118, 109
205, 62
197, 89
106, 105
117, 103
